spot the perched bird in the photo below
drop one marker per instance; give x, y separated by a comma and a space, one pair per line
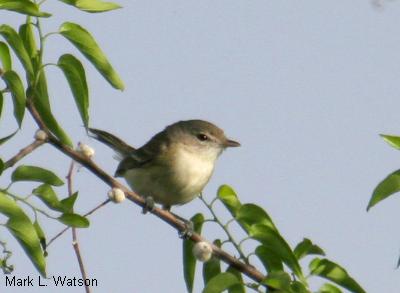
175, 165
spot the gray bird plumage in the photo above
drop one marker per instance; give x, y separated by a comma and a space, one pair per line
175, 164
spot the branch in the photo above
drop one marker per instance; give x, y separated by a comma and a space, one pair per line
225, 229
85, 215
164, 215
23, 152
75, 243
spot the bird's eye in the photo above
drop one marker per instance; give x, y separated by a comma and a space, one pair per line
202, 137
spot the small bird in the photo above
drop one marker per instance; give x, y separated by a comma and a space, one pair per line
175, 165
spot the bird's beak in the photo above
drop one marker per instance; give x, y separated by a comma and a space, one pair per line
231, 143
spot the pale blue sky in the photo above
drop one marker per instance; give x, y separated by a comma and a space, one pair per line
305, 86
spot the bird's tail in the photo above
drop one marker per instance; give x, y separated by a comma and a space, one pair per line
119, 146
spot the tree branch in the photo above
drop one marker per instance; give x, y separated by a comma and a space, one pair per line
85, 215
164, 215
225, 229
23, 152
75, 243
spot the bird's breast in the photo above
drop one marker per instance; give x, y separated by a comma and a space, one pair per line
175, 180
193, 170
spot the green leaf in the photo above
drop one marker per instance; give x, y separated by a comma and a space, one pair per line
42, 105
189, 261
329, 288
5, 57
74, 220
306, 247
23, 230
4, 139
1, 166
229, 198
335, 273
25, 233
298, 287
221, 282
33, 173
387, 187
270, 260
16, 88
15, 42
48, 196
92, 6
392, 140
278, 280
250, 214
68, 202
239, 288
274, 241
28, 39
23, 6
9, 207
212, 267
76, 77
86, 44
40, 234
4, 266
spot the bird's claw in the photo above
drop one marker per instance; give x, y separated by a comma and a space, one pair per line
148, 204
188, 231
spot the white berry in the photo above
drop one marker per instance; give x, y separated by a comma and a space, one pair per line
202, 251
40, 135
86, 150
116, 195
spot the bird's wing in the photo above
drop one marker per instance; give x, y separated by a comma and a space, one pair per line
129, 163
153, 151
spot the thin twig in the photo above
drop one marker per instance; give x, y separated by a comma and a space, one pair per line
85, 215
225, 229
164, 215
33, 207
75, 243
23, 152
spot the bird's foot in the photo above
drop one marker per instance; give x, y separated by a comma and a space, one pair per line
188, 231
148, 204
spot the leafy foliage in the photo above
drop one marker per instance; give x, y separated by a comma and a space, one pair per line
281, 263
16, 88
74, 220
23, 6
33, 173
15, 42
212, 267
75, 74
28, 44
87, 45
306, 247
391, 184
189, 261
5, 57
24, 231
387, 187
221, 282
92, 6
335, 273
